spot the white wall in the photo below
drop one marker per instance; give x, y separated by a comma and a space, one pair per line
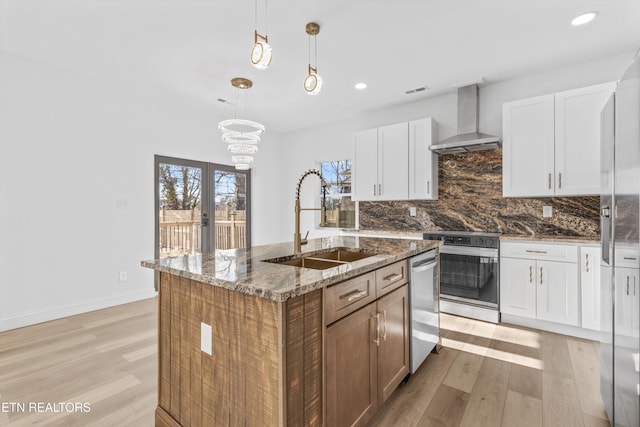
71, 146
333, 141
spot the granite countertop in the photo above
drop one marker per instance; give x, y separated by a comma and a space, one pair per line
244, 270
552, 239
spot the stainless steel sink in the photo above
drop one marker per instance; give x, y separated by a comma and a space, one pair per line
343, 255
322, 260
316, 264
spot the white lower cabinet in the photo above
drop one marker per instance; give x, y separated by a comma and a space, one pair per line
627, 304
590, 286
545, 290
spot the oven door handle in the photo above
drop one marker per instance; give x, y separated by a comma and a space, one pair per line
465, 250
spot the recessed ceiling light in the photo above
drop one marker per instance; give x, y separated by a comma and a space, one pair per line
584, 18
361, 86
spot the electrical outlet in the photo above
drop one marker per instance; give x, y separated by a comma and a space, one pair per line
547, 211
206, 339
412, 211
123, 276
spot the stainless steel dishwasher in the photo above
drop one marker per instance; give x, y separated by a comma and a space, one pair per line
424, 298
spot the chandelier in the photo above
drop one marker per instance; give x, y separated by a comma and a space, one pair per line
241, 135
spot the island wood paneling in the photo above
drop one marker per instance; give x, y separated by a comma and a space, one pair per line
266, 366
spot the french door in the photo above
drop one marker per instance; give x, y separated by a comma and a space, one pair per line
200, 207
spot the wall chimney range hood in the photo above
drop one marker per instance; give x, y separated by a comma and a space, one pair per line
468, 138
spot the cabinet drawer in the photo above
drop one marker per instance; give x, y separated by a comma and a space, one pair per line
347, 297
391, 277
542, 251
627, 257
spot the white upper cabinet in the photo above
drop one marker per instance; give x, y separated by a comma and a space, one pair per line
551, 143
365, 165
577, 134
393, 156
423, 163
394, 162
527, 147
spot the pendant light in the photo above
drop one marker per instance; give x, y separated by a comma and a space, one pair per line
261, 51
313, 81
241, 135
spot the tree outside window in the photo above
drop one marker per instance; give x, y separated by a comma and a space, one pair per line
340, 209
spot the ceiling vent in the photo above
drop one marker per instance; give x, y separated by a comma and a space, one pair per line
417, 90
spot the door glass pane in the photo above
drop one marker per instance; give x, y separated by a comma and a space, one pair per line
179, 189
230, 195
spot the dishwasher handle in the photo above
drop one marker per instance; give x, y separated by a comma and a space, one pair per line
424, 265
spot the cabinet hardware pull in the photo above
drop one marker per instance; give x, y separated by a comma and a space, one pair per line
627, 285
630, 258
393, 277
379, 189
531, 251
549, 181
377, 340
530, 274
374, 190
587, 258
541, 275
428, 187
559, 179
384, 316
353, 295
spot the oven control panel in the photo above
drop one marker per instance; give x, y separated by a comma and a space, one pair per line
478, 241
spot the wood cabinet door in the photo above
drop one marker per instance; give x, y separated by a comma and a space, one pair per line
393, 161
351, 363
423, 163
590, 287
518, 287
528, 147
577, 139
557, 294
365, 165
393, 352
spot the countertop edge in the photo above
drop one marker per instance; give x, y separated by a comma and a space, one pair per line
242, 286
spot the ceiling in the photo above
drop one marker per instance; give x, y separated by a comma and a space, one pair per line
192, 48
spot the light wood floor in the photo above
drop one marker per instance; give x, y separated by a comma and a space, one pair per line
485, 375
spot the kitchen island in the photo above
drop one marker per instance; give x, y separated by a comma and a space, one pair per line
264, 361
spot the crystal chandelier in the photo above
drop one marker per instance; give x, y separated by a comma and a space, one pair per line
261, 50
313, 81
241, 135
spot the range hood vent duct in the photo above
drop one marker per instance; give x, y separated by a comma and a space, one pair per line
468, 138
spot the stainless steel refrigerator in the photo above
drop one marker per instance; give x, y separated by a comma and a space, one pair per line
620, 239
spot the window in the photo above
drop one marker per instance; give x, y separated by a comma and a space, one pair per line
340, 209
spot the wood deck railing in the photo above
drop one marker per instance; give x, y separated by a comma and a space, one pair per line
184, 237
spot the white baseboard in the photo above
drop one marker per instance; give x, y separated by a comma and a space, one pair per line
558, 328
71, 310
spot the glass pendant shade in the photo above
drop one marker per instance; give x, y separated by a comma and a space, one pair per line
261, 52
313, 82
242, 148
242, 162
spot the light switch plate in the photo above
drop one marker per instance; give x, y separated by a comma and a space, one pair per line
412, 211
206, 339
547, 211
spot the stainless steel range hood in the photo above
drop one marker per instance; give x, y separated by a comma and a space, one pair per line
468, 138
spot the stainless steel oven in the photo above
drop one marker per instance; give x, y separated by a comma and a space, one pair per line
469, 274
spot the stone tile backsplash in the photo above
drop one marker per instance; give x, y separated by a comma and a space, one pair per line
470, 198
